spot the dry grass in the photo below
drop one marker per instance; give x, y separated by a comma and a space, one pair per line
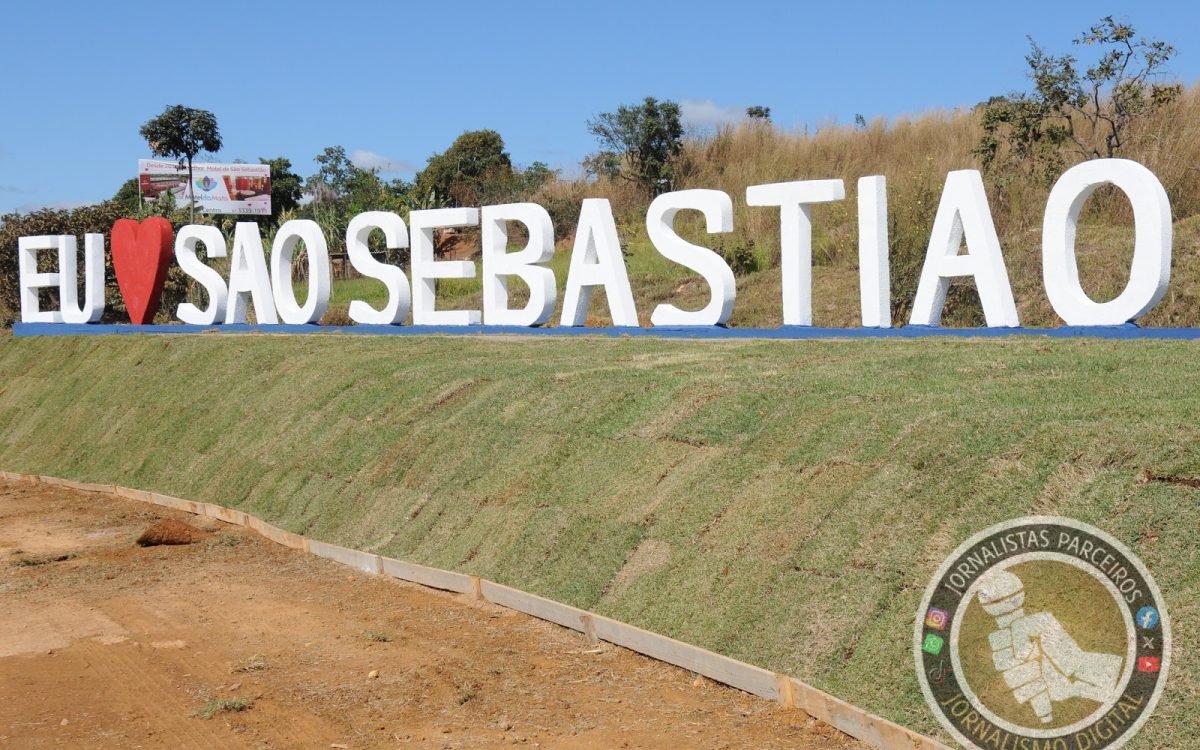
223, 705
915, 153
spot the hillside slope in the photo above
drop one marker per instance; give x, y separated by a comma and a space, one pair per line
781, 502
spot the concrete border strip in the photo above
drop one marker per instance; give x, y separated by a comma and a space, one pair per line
532, 604
747, 677
177, 503
874, 730
228, 515
89, 487
434, 578
276, 534
364, 561
141, 495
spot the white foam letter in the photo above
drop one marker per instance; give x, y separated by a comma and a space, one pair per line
660, 226
248, 277
426, 270
795, 200
499, 264
963, 212
283, 250
1151, 269
93, 282
874, 280
395, 234
214, 286
31, 281
596, 260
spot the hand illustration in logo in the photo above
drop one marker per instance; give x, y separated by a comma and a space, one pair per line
1040, 661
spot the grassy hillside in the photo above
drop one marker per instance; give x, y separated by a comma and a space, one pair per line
781, 502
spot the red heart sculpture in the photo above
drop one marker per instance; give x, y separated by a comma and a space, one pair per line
141, 252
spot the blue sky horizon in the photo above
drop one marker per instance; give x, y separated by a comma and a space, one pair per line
394, 83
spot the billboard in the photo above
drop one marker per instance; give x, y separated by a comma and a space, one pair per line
218, 188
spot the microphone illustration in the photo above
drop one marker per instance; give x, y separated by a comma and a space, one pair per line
1040, 661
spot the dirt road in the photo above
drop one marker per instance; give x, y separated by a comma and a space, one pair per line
104, 644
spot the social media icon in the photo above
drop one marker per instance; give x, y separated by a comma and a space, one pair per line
1147, 618
937, 618
937, 675
1148, 664
933, 644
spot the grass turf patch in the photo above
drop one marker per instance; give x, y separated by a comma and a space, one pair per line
784, 503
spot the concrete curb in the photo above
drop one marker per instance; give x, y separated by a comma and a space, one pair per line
176, 503
276, 534
433, 578
873, 730
364, 561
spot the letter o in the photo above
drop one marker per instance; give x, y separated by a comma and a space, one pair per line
1150, 271
283, 250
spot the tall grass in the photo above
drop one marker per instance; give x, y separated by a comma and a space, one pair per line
909, 149
915, 154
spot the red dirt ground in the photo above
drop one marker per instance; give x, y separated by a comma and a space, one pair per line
104, 644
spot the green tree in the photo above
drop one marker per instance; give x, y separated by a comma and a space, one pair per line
639, 142
536, 175
474, 171
182, 132
334, 174
129, 195
1089, 112
287, 187
340, 190
353, 189
758, 112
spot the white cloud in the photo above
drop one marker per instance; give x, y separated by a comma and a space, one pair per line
708, 114
370, 160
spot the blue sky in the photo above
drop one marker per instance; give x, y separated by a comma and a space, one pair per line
396, 82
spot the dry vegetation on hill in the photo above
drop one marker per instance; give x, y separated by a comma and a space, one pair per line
915, 154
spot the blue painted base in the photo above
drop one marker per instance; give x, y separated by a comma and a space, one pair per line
1128, 331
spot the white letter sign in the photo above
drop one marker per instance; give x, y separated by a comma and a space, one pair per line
426, 270
214, 285
283, 250
248, 277
963, 212
660, 226
795, 200
1151, 269
31, 281
596, 260
395, 234
874, 278
499, 264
